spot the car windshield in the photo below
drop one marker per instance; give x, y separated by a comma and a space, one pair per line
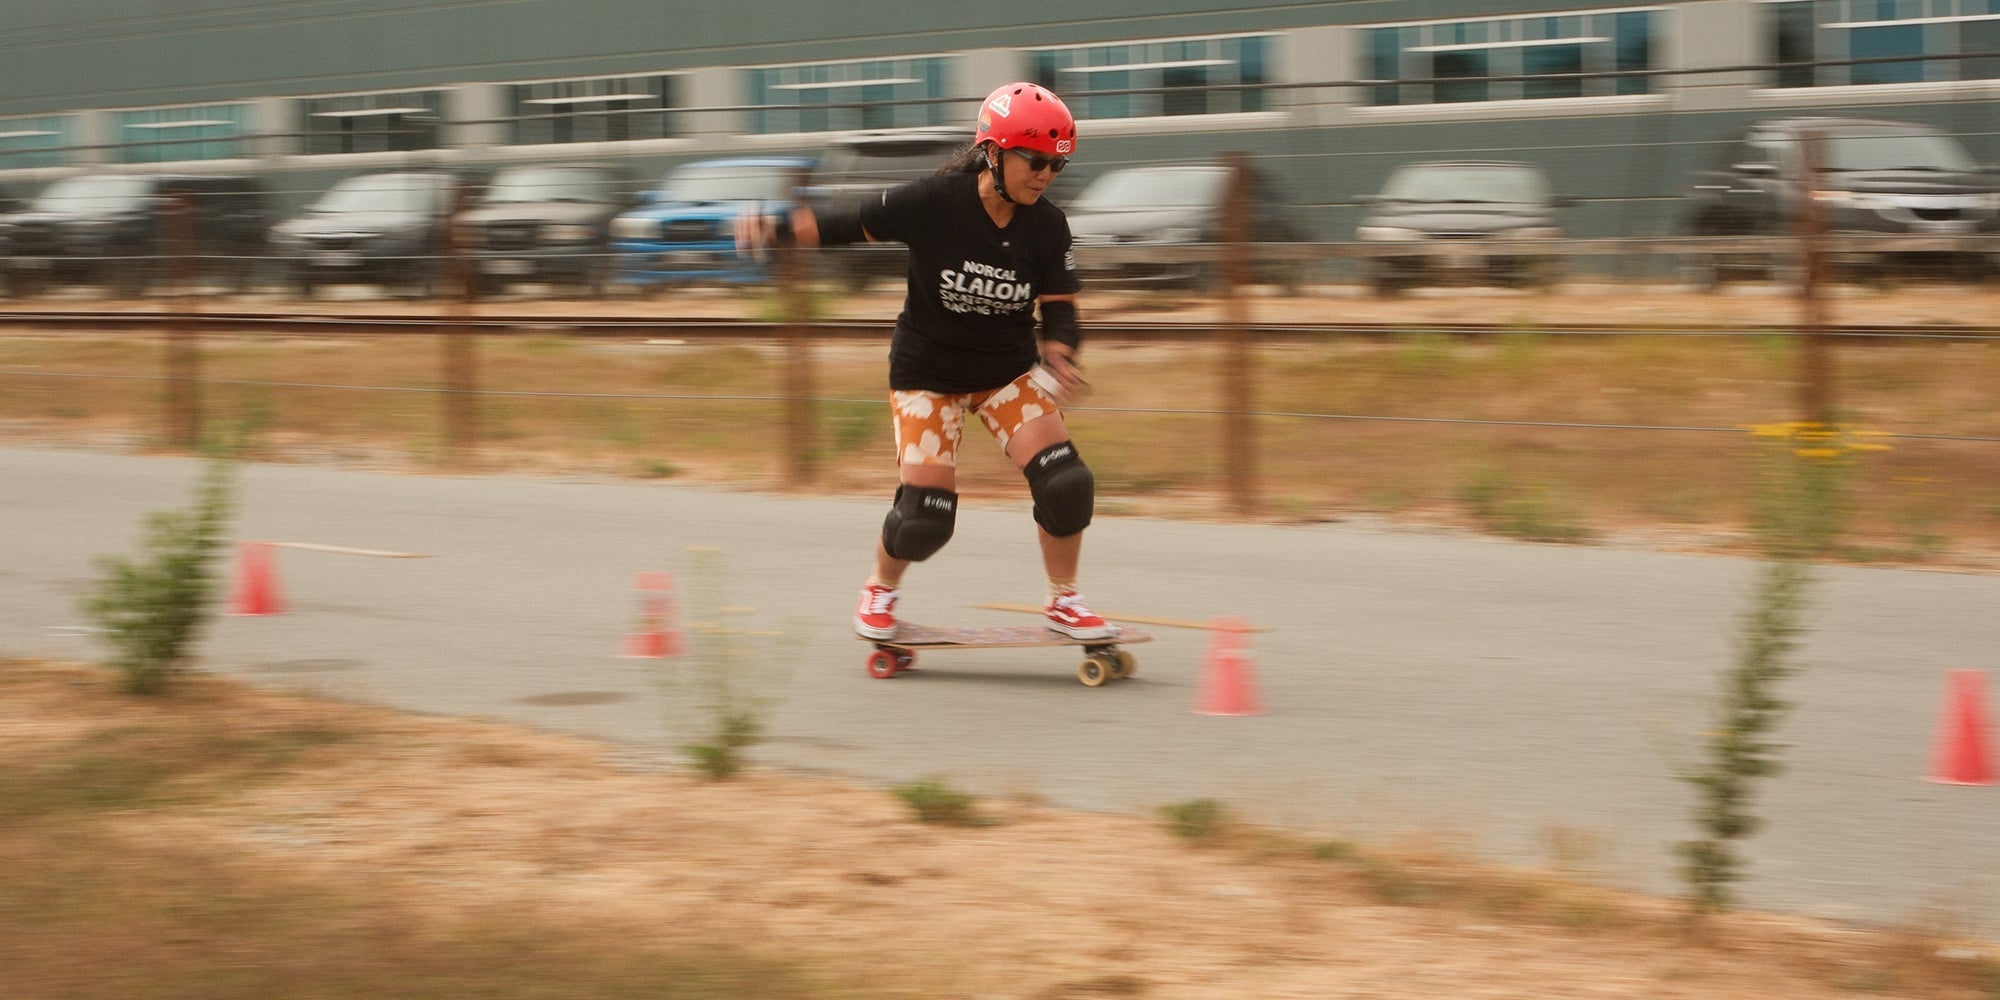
383, 193
545, 184
704, 184
1897, 149
1467, 185
93, 194
1130, 190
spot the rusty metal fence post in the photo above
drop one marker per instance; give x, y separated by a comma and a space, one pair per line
1238, 370
802, 449
183, 396
460, 356
1815, 355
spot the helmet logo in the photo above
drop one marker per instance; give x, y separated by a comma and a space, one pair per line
1064, 147
1004, 104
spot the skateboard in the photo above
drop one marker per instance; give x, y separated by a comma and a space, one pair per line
1103, 660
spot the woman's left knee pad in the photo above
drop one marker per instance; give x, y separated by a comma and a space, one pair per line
1064, 490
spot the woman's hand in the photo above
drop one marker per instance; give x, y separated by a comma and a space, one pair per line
757, 233
1060, 359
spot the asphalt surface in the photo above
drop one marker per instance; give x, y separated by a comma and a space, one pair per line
1516, 702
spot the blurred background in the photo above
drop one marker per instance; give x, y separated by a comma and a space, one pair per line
1362, 197
319, 145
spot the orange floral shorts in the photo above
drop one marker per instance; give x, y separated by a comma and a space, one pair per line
929, 424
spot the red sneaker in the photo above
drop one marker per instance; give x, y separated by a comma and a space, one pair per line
876, 617
1068, 616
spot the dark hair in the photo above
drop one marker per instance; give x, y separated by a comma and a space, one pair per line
970, 160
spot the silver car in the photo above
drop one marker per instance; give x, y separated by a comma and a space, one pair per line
1466, 221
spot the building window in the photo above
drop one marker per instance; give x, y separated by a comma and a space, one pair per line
1540, 57
833, 97
1186, 76
373, 123
1831, 43
35, 142
605, 109
166, 135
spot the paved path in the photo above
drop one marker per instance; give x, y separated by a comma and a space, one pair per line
1420, 685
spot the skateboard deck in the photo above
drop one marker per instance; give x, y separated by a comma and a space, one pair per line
1103, 659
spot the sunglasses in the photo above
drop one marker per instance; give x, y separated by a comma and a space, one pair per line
1038, 163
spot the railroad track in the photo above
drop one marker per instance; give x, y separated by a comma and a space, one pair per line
488, 321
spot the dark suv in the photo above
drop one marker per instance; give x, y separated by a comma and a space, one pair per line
379, 229
1876, 177
862, 166
109, 229
548, 224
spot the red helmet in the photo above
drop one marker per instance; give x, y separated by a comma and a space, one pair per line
1027, 116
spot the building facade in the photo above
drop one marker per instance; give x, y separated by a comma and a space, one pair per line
1618, 103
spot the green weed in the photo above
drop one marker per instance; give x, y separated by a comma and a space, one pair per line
936, 802
720, 686
152, 608
1197, 820
1802, 500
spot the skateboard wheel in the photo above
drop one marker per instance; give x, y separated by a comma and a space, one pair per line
1123, 664
882, 664
1093, 672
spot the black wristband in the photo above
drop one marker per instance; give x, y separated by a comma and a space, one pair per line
839, 225
1059, 323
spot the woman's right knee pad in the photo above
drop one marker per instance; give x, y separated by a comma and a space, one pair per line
919, 522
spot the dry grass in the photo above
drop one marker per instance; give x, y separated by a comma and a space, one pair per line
226, 842
1413, 426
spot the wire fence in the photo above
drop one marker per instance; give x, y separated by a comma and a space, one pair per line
1384, 413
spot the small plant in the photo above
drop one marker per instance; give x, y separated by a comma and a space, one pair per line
936, 802
152, 608
1801, 505
1528, 513
656, 468
713, 689
1333, 850
1198, 821
1425, 352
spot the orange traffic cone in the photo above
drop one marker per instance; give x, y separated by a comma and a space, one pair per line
1963, 755
653, 635
256, 591
1226, 685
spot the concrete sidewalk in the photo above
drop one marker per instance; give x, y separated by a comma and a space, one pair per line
1418, 684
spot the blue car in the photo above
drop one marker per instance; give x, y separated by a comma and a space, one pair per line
685, 230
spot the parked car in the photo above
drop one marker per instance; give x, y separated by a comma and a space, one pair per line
686, 229
378, 228
8, 206
1443, 221
548, 224
1876, 177
862, 166
108, 229
1162, 224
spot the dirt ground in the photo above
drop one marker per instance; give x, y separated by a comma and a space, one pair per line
451, 819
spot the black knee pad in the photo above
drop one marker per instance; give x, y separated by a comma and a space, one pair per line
1064, 490
920, 522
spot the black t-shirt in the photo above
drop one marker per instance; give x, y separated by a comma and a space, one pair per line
968, 321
